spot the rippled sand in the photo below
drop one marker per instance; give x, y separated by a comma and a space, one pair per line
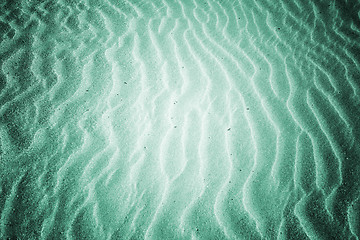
179, 119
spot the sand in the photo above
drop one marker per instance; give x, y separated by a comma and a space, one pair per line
179, 119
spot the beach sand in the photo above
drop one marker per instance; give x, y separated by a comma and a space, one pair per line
179, 119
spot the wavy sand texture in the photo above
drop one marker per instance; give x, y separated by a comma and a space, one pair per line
179, 119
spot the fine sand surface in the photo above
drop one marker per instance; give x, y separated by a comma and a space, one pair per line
179, 119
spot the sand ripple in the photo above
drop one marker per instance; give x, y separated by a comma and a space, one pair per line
179, 120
